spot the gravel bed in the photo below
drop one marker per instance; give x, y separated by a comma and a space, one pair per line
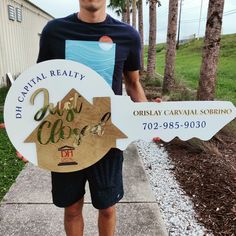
176, 208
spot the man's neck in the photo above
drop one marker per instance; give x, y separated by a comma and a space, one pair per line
92, 17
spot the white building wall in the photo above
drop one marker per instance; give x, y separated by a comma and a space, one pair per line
19, 41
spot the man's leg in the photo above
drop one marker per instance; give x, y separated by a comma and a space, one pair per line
107, 221
68, 190
73, 219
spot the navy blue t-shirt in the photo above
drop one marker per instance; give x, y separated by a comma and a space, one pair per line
109, 47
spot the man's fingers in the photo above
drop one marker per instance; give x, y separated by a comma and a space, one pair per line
156, 139
2, 126
21, 157
158, 100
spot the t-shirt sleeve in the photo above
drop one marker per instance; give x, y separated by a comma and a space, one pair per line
134, 57
44, 48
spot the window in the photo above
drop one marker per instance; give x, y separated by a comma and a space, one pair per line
11, 12
19, 14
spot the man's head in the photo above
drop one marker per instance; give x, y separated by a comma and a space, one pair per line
92, 5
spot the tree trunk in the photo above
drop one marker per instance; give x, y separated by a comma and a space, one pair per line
134, 13
169, 76
124, 16
211, 49
140, 28
151, 66
179, 25
128, 11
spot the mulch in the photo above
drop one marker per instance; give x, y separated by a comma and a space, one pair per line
209, 178
206, 171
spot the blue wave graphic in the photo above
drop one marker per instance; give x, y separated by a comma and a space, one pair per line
96, 55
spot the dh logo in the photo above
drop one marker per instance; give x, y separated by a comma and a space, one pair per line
67, 156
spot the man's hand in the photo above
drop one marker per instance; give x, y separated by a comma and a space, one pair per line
2, 126
156, 139
158, 100
21, 157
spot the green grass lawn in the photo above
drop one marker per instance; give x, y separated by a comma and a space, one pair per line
10, 165
188, 63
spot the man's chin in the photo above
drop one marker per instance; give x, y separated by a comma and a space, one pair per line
92, 8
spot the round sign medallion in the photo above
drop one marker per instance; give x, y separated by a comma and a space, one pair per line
48, 120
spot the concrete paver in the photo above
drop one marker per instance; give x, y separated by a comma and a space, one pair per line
40, 219
27, 208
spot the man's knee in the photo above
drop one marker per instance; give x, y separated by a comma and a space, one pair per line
75, 210
108, 212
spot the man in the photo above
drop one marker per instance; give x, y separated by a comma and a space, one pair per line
83, 37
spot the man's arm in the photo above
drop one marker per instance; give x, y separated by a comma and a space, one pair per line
133, 86
44, 44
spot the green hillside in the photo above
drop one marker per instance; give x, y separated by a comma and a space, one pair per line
188, 62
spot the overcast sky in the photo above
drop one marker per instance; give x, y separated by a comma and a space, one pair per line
190, 15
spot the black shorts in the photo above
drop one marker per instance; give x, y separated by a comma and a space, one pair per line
105, 183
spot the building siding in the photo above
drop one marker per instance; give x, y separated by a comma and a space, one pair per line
19, 41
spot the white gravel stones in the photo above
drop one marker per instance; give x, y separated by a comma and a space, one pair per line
176, 208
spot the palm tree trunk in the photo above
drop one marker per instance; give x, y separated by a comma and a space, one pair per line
140, 28
134, 13
151, 66
128, 11
207, 82
124, 16
169, 76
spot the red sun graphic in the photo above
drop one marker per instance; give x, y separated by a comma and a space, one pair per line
105, 39
105, 43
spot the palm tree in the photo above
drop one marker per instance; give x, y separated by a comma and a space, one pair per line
119, 6
127, 4
169, 76
140, 29
151, 66
134, 13
211, 49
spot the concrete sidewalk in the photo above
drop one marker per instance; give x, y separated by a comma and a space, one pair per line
27, 209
